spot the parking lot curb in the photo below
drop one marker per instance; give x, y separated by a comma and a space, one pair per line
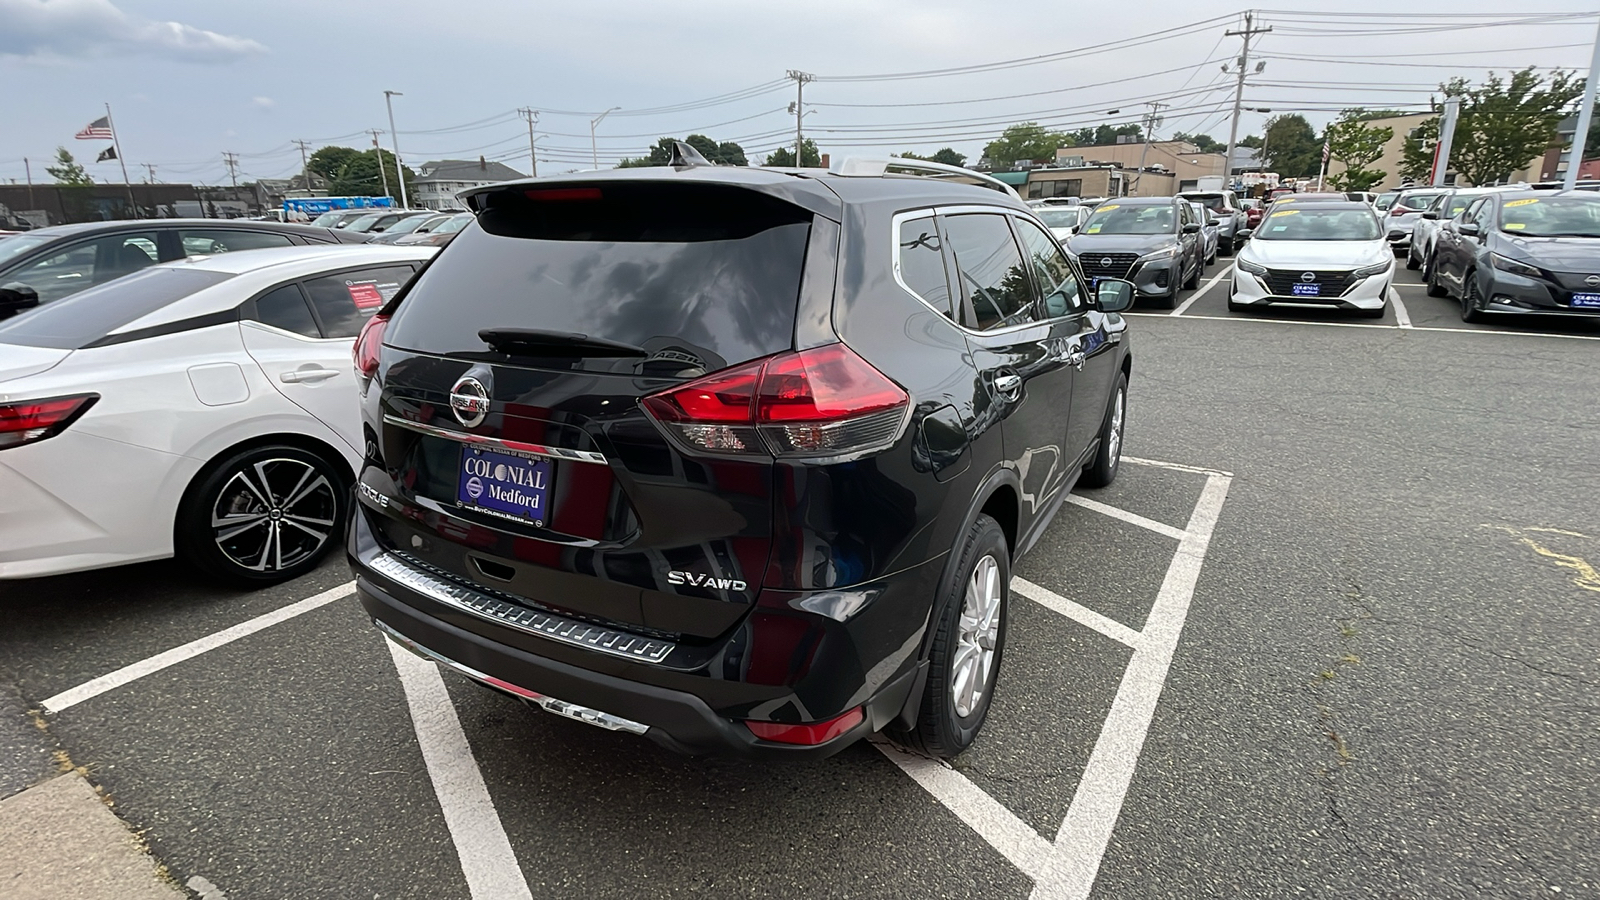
59, 839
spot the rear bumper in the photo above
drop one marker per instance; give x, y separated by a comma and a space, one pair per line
693, 711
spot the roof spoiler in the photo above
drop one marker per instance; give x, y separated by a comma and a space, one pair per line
857, 167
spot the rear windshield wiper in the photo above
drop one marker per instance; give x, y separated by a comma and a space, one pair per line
538, 342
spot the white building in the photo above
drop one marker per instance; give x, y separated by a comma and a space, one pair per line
437, 181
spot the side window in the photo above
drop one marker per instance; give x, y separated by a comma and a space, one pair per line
921, 261
991, 272
344, 301
202, 241
286, 308
1057, 285
1477, 212
87, 264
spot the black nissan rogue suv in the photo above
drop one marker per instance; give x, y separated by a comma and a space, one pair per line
736, 459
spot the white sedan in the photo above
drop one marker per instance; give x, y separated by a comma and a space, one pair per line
1315, 254
205, 408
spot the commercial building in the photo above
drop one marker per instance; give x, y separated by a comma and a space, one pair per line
1540, 168
1181, 158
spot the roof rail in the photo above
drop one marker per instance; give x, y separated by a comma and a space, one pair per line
858, 167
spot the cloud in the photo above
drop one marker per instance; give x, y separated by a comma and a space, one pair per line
43, 28
263, 102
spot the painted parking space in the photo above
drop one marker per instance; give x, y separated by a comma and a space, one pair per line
291, 752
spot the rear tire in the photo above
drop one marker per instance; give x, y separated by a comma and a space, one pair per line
1435, 289
964, 661
1194, 280
1469, 300
1102, 470
1412, 262
264, 515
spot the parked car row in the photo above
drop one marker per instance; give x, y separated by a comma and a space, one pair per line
1519, 253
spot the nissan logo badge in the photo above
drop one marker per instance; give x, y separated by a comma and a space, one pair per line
1106, 260
1308, 277
1592, 280
469, 401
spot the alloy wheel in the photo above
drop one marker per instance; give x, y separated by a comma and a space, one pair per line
1114, 439
273, 514
977, 637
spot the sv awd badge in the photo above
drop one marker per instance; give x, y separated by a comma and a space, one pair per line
693, 580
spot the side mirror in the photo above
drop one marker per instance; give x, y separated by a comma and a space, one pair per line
1431, 216
1113, 294
16, 297
1470, 229
1191, 228
1246, 233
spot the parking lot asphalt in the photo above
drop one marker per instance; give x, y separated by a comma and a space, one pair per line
1381, 684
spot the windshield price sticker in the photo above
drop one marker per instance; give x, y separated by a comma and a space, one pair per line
1094, 229
1521, 202
1515, 226
371, 294
1107, 206
1287, 212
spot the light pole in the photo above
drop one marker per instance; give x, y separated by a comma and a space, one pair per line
594, 148
394, 136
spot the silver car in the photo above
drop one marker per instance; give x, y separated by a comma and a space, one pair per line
1445, 207
1404, 215
1224, 207
1210, 231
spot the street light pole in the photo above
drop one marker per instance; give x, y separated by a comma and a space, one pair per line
394, 138
1585, 113
594, 148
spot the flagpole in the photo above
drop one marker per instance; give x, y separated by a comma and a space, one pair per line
123, 162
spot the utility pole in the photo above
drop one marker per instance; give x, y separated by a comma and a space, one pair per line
1238, 94
382, 171
1447, 134
1152, 121
532, 115
305, 164
151, 177
594, 123
28, 168
1585, 113
232, 159
800, 79
394, 138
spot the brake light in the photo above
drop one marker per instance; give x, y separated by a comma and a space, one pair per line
825, 402
562, 195
367, 345
810, 734
35, 420
1400, 210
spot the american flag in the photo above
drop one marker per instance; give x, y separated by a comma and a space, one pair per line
1324, 152
98, 130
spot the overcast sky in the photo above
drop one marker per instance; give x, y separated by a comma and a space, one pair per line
189, 79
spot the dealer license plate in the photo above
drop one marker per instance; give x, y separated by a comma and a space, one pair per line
1307, 290
504, 484
1586, 301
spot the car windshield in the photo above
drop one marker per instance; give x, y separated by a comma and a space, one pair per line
455, 224
1118, 218
1551, 217
328, 219
363, 223
1059, 217
18, 244
1384, 201
1417, 201
408, 225
1209, 201
88, 316
1313, 223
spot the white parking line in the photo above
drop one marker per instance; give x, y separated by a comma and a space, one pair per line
1184, 306
487, 859
94, 688
1006, 833
1083, 615
1401, 316
1160, 528
1176, 467
1085, 832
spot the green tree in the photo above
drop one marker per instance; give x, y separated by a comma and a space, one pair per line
67, 171
1101, 135
1205, 142
1416, 156
1293, 150
1253, 141
1351, 141
946, 155
1024, 141
327, 161
810, 157
726, 153
1503, 125
360, 176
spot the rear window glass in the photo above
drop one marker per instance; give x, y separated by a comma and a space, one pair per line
676, 269
89, 315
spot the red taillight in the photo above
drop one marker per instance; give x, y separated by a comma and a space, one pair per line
562, 195
35, 420
810, 734
819, 403
365, 351
1399, 210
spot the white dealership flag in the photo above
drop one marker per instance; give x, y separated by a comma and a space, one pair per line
98, 130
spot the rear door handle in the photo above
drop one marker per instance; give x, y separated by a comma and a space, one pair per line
1075, 359
309, 375
1007, 383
